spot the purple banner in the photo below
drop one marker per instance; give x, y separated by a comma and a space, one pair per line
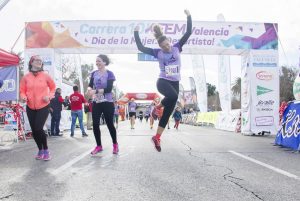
9, 89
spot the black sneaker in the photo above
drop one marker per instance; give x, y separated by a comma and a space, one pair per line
84, 135
72, 135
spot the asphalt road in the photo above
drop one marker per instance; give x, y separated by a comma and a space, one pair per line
196, 163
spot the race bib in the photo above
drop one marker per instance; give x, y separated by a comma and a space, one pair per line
171, 70
132, 109
99, 98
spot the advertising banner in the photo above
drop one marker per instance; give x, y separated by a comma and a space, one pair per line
264, 76
200, 82
8, 91
288, 134
224, 82
114, 36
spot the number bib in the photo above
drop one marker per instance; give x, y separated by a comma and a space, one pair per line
132, 109
171, 70
99, 98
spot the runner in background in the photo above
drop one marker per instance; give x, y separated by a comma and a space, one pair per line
132, 112
147, 113
153, 114
177, 117
141, 116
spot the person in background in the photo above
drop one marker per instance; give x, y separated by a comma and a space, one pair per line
55, 110
37, 97
177, 117
116, 114
282, 108
153, 114
147, 113
88, 111
132, 112
141, 116
66, 103
168, 56
77, 100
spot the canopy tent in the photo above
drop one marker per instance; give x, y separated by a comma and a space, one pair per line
8, 59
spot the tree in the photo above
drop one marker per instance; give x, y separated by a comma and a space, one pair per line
86, 70
287, 79
236, 92
213, 100
236, 87
211, 89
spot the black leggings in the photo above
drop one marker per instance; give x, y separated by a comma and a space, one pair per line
37, 119
108, 109
170, 90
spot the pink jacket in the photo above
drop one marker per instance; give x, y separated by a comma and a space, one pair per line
35, 88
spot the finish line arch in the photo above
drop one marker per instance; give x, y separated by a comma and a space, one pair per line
257, 43
137, 96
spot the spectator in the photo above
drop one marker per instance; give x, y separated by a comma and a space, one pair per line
55, 110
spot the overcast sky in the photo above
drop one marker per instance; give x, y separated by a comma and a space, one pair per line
130, 73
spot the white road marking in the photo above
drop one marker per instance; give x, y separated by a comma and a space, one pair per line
70, 163
280, 171
106, 160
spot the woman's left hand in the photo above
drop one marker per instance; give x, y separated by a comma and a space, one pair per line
187, 12
46, 99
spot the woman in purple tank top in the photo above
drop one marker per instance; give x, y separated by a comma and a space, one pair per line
167, 84
100, 89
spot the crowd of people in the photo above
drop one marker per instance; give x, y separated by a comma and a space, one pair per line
39, 92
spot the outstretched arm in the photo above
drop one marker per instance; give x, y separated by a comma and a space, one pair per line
188, 32
139, 44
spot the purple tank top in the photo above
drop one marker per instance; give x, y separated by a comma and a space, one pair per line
100, 82
169, 63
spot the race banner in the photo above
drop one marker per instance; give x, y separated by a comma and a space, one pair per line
8, 91
200, 81
224, 82
188, 98
113, 36
181, 95
193, 91
288, 134
245, 97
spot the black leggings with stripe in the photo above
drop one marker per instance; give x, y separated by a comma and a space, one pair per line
170, 90
108, 109
37, 120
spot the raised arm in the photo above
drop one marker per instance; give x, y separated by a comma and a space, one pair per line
188, 32
139, 44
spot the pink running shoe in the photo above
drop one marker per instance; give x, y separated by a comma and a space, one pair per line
46, 156
96, 150
115, 148
156, 143
40, 155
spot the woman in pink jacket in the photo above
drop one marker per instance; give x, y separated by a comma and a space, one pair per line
36, 89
